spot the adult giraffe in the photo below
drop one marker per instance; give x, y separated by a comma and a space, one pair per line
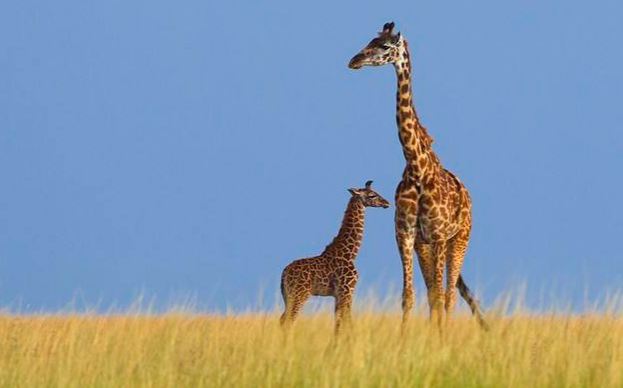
433, 208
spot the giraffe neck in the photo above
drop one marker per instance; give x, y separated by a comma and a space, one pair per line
416, 143
346, 244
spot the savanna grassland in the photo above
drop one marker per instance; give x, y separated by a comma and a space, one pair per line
185, 349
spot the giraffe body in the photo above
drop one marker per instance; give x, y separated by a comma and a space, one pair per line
433, 207
333, 272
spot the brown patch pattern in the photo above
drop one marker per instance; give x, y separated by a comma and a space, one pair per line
333, 272
433, 208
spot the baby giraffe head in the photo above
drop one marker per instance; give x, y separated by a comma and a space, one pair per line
369, 197
385, 48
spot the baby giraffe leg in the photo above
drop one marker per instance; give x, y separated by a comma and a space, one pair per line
294, 302
287, 311
343, 303
298, 303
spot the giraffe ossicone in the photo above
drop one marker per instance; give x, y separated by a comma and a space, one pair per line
333, 272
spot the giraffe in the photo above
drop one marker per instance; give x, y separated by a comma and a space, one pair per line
333, 272
433, 207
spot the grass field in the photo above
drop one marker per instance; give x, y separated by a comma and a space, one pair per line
183, 349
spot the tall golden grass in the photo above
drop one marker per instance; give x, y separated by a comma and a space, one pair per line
186, 349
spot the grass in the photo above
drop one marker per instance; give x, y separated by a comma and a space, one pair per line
185, 349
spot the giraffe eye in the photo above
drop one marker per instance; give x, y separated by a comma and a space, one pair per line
385, 47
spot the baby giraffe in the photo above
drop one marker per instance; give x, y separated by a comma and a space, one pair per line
333, 272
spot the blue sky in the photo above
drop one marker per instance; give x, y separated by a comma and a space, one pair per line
195, 148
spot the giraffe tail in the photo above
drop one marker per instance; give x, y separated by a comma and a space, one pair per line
283, 318
469, 297
283, 290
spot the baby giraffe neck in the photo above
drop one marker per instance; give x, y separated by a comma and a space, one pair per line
346, 244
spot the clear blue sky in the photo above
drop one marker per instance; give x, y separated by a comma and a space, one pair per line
196, 147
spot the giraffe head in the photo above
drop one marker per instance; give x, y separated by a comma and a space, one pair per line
385, 48
369, 197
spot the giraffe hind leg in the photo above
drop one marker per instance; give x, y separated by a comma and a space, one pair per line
425, 260
294, 291
454, 261
287, 301
437, 297
294, 303
298, 303
287, 311
455, 255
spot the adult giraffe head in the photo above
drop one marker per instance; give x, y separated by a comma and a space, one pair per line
383, 49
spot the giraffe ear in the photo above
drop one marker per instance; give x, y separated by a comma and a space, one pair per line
354, 191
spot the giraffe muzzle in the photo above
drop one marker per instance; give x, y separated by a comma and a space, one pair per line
356, 62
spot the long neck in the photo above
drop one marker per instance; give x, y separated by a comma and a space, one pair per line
416, 143
346, 244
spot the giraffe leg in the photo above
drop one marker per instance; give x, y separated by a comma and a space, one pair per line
287, 311
437, 296
343, 303
455, 252
344, 297
297, 304
294, 302
425, 259
405, 221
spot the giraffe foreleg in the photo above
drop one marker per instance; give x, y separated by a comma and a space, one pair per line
344, 298
343, 304
405, 221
